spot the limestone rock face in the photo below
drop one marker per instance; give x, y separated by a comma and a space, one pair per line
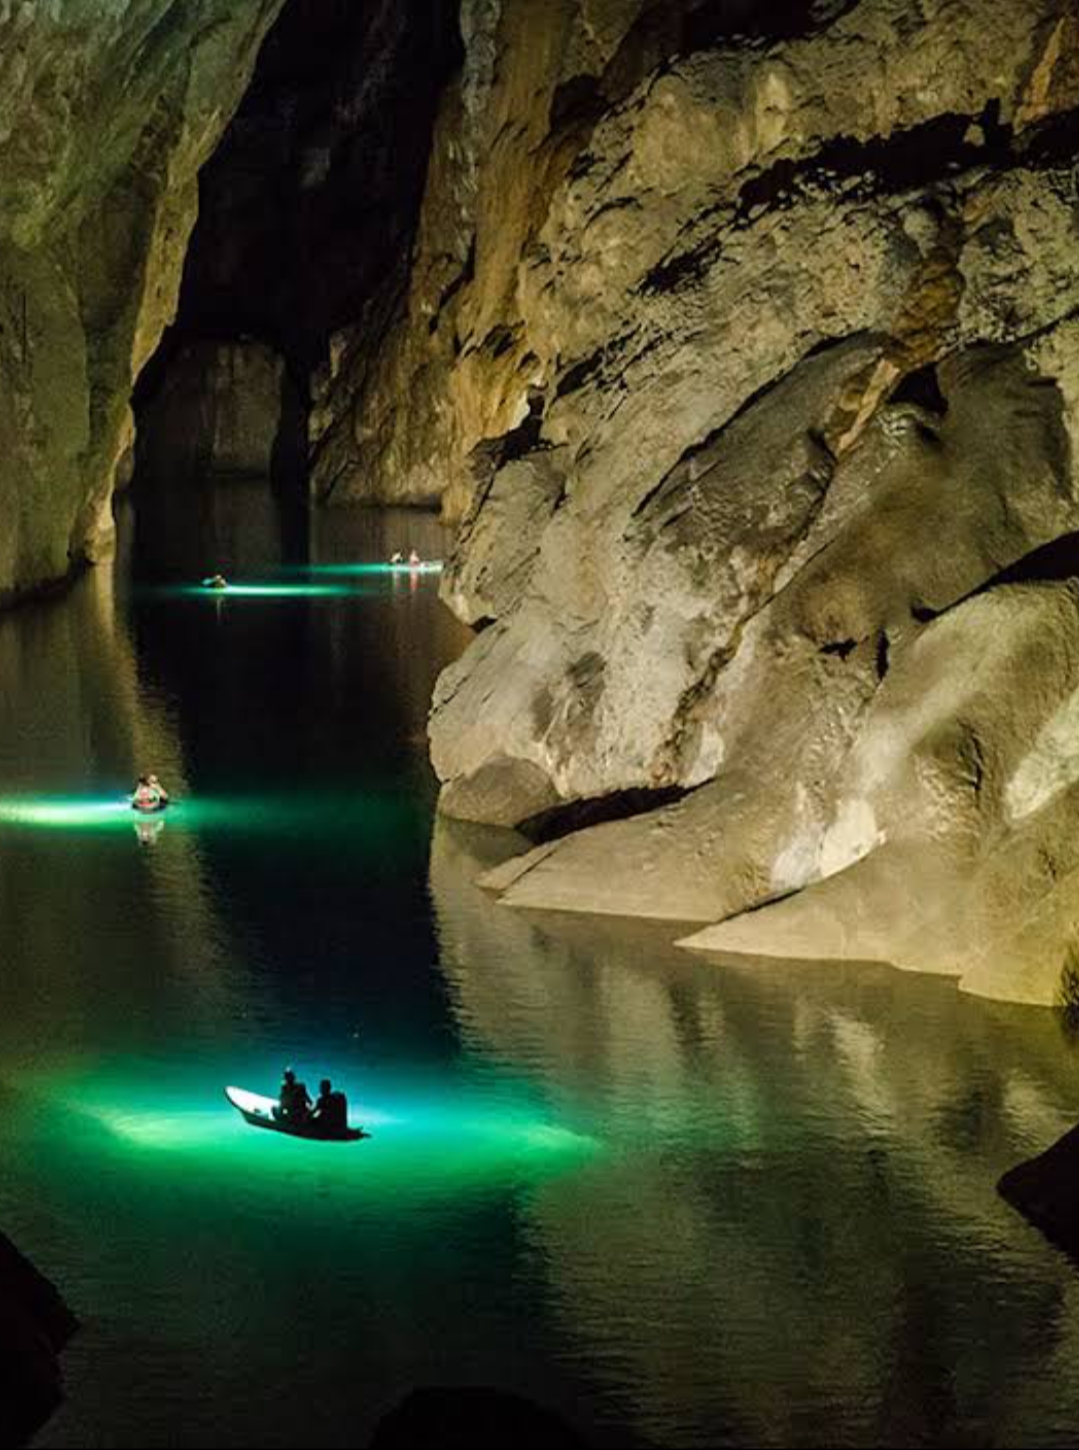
107, 112
223, 407
748, 359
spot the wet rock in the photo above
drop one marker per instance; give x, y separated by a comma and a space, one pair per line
35, 1324
744, 375
104, 123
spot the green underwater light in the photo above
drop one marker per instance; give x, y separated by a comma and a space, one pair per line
66, 812
283, 590
431, 566
417, 1145
365, 820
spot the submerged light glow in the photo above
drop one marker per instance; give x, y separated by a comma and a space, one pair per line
432, 566
365, 817
284, 590
426, 1144
66, 812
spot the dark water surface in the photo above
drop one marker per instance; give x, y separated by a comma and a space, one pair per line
683, 1203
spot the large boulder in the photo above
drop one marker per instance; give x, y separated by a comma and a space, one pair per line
746, 353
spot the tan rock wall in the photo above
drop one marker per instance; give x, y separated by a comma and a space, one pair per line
750, 362
106, 114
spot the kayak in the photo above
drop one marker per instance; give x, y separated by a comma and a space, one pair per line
258, 1111
149, 810
426, 566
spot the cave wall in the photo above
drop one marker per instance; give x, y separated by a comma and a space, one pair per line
749, 363
107, 111
307, 211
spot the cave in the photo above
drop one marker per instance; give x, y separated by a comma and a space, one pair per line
539, 721
307, 211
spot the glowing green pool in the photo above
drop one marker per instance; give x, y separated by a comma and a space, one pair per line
678, 1202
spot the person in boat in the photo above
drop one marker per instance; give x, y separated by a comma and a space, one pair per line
414, 560
294, 1103
331, 1108
154, 784
397, 557
147, 796
215, 581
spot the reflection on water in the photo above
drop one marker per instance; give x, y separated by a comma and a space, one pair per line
792, 1233
682, 1203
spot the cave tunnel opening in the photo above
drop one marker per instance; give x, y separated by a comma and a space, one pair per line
307, 211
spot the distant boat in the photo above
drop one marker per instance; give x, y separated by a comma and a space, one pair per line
259, 1112
425, 566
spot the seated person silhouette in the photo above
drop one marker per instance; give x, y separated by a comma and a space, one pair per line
295, 1101
331, 1109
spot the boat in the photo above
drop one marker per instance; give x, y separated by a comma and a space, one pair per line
259, 1112
153, 810
425, 566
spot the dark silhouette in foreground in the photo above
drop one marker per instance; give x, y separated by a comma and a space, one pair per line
1045, 1190
471, 1418
35, 1324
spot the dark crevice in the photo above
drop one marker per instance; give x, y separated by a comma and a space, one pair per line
907, 160
773, 899
922, 388
671, 274
311, 200
576, 101
903, 161
494, 453
581, 372
1051, 563
883, 660
840, 647
1054, 563
525, 438
1052, 142
464, 276
620, 805
499, 340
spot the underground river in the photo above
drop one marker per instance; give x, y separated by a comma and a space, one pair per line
678, 1202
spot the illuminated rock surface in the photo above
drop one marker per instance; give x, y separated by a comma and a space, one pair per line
107, 112
750, 362
742, 341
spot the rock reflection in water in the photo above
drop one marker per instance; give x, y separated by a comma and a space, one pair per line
78, 718
795, 1220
